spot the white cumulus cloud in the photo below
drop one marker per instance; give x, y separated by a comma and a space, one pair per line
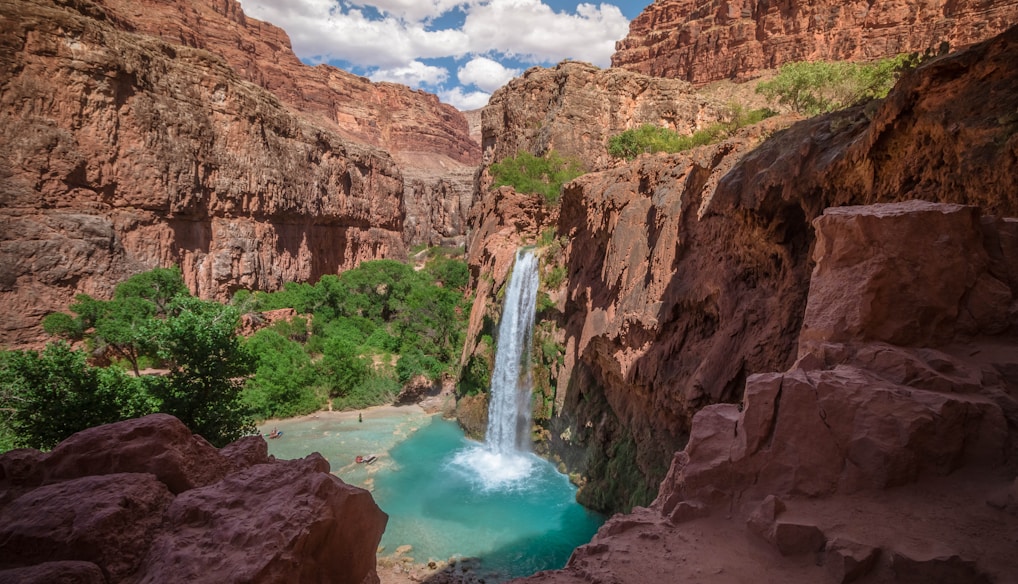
418, 42
485, 74
533, 31
320, 30
413, 10
414, 74
464, 100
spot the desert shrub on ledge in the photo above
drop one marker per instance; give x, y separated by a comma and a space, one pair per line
815, 88
651, 139
543, 175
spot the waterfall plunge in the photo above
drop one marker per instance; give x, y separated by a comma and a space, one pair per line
504, 461
509, 397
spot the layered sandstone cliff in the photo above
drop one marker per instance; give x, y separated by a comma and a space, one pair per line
143, 135
423, 134
146, 501
708, 40
390, 116
874, 458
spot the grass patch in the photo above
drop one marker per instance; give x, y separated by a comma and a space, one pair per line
652, 139
815, 88
531, 174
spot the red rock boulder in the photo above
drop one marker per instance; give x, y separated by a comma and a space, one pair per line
146, 501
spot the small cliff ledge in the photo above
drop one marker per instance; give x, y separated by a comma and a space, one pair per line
146, 501
708, 40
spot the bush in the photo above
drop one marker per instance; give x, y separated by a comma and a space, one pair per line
413, 363
198, 341
55, 393
821, 87
545, 176
285, 382
652, 139
375, 390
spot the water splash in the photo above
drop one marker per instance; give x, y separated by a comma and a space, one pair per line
504, 460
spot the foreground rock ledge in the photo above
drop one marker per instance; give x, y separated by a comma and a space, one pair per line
146, 501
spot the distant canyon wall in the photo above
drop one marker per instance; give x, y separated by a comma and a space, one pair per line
701, 41
126, 150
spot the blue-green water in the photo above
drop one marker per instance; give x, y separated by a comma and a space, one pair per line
448, 497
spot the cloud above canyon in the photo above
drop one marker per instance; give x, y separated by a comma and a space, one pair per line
460, 50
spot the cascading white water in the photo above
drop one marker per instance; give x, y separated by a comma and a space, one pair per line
504, 461
511, 382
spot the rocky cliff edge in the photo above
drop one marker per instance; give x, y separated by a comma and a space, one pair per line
709, 40
146, 501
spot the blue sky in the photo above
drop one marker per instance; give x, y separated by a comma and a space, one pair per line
461, 50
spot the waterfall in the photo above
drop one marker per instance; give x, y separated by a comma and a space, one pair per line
511, 382
505, 462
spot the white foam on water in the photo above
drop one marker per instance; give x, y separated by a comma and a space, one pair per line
495, 471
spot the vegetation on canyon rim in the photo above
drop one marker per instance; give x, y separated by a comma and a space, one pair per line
652, 139
362, 335
543, 175
815, 88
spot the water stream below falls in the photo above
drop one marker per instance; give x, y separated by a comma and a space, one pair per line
447, 496
440, 506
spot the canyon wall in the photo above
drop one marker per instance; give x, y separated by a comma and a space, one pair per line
145, 134
875, 457
689, 273
708, 40
146, 501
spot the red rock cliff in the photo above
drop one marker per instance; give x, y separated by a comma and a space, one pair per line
708, 40
144, 134
574, 108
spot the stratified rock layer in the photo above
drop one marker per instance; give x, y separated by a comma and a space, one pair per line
807, 462
574, 108
708, 40
144, 134
205, 516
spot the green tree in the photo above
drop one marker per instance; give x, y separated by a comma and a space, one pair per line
343, 368
55, 393
813, 88
207, 363
285, 381
158, 286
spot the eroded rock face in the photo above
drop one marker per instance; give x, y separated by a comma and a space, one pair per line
689, 273
159, 133
386, 115
574, 108
807, 461
708, 40
149, 503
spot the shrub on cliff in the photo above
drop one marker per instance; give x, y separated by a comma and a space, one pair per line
820, 87
543, 175
651, 139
